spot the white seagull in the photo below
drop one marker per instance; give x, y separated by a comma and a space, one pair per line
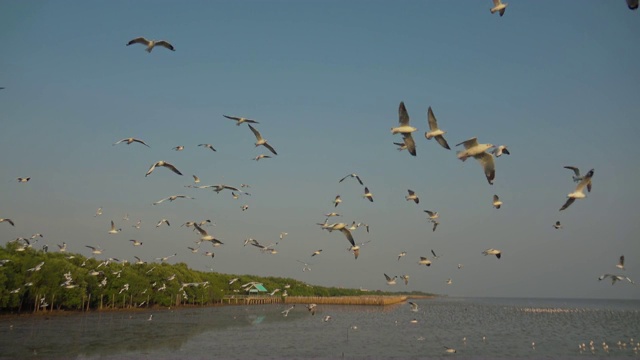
390, 281
405, 129
414, 306
317, 252
162, 163
150, 44
353, 176
478, 151
208, 146
172, 198
261, 140
557, 225
337, 201
576, 173
240, 120
424, 261
495, 252
368, 194
615, 278
579, 192
7, 220
620, 264
261, 156
402, 254
136, 242
434, 131
163, 221
412, 196
23, 179
130, 140
205, 236
113, 229
496, 202
178, 148
498, 6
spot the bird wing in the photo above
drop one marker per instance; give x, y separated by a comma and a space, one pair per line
411, 192
495, 198
496, 2
202, 231
502, 10
150, 169
434, 253
403, 115
232, 117
161, 200
621, 263
256, 133
486, 160
431, 213
138, 40
119, 141
347, 233
575, 169
387, 277
141, 142
469, 143
411, 145
440, 139
586, 181
270, 148
632, 4
359, 180
433, 123
165, 44
567, 203
172, 168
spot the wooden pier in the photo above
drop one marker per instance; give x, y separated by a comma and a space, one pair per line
251, 299
347, 300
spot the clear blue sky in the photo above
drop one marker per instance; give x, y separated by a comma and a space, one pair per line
556, 82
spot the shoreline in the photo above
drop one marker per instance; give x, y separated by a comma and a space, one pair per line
377, 300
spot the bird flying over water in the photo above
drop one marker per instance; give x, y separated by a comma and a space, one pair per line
434, 131
479, 152
150, 44
130, 140
390, 281
261, 140
615, 278
579, 192
164, 164
240, 120
405, 129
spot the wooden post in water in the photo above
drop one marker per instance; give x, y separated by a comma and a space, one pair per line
113, 300
35, 306
52, 300
88, 302
101, 295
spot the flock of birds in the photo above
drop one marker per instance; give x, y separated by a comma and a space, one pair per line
485, 153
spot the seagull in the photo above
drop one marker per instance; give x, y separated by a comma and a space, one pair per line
205, 236
342, 227
95, 250
137, 225
172, 198
449, 282
557, 225
478, 151
7, 220
498, 151
261, 156
163, 259
460, 266
498, 6
368, 194
150, 44
353, 176
139, 261
495, 252
337, 201
620, 264
62, 247
244, 207
240, 120
283, 234
405, 278
435, 225
434, 131
402, 254
98, 212
317, 252
632, 4
414, 306
326, 318
163, 221
390, 281
424, 261
131, 140
405, 129
37, 267
496, 202
23, 180
615, 278
113, 229
261, 140
150, 317
193, 250
195, 179
209, 146
312, 308
136, 242
165, 164
306, 266
433, 215
578, 193
209, 253
178, 148
412, 196
576, 177
285, 312
332, 214
448, 349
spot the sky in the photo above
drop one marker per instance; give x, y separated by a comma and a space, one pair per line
556, 83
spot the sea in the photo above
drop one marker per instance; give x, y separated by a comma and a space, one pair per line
476, 328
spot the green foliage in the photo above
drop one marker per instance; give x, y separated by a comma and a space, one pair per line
110, 284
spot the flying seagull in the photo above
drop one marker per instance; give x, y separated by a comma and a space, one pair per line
368, 194
172, 198
165, 164
353, 176
498, 6
337, 201
557, 225
435, 225
495, 252
261, 140
131, 140
478, 151
342, 227
205, 236
390, 281
412, 196
402, 254
240, 120
620, 264
113, 229
405, 278
615, 278
208, 146
178, 148
579, 192
424, 261
434, 131
576, 172
405, 129
23, 179
261, 156
496, 202
414, 306
150, 44
317, 252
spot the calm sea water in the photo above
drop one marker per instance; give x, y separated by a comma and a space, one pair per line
492, 327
